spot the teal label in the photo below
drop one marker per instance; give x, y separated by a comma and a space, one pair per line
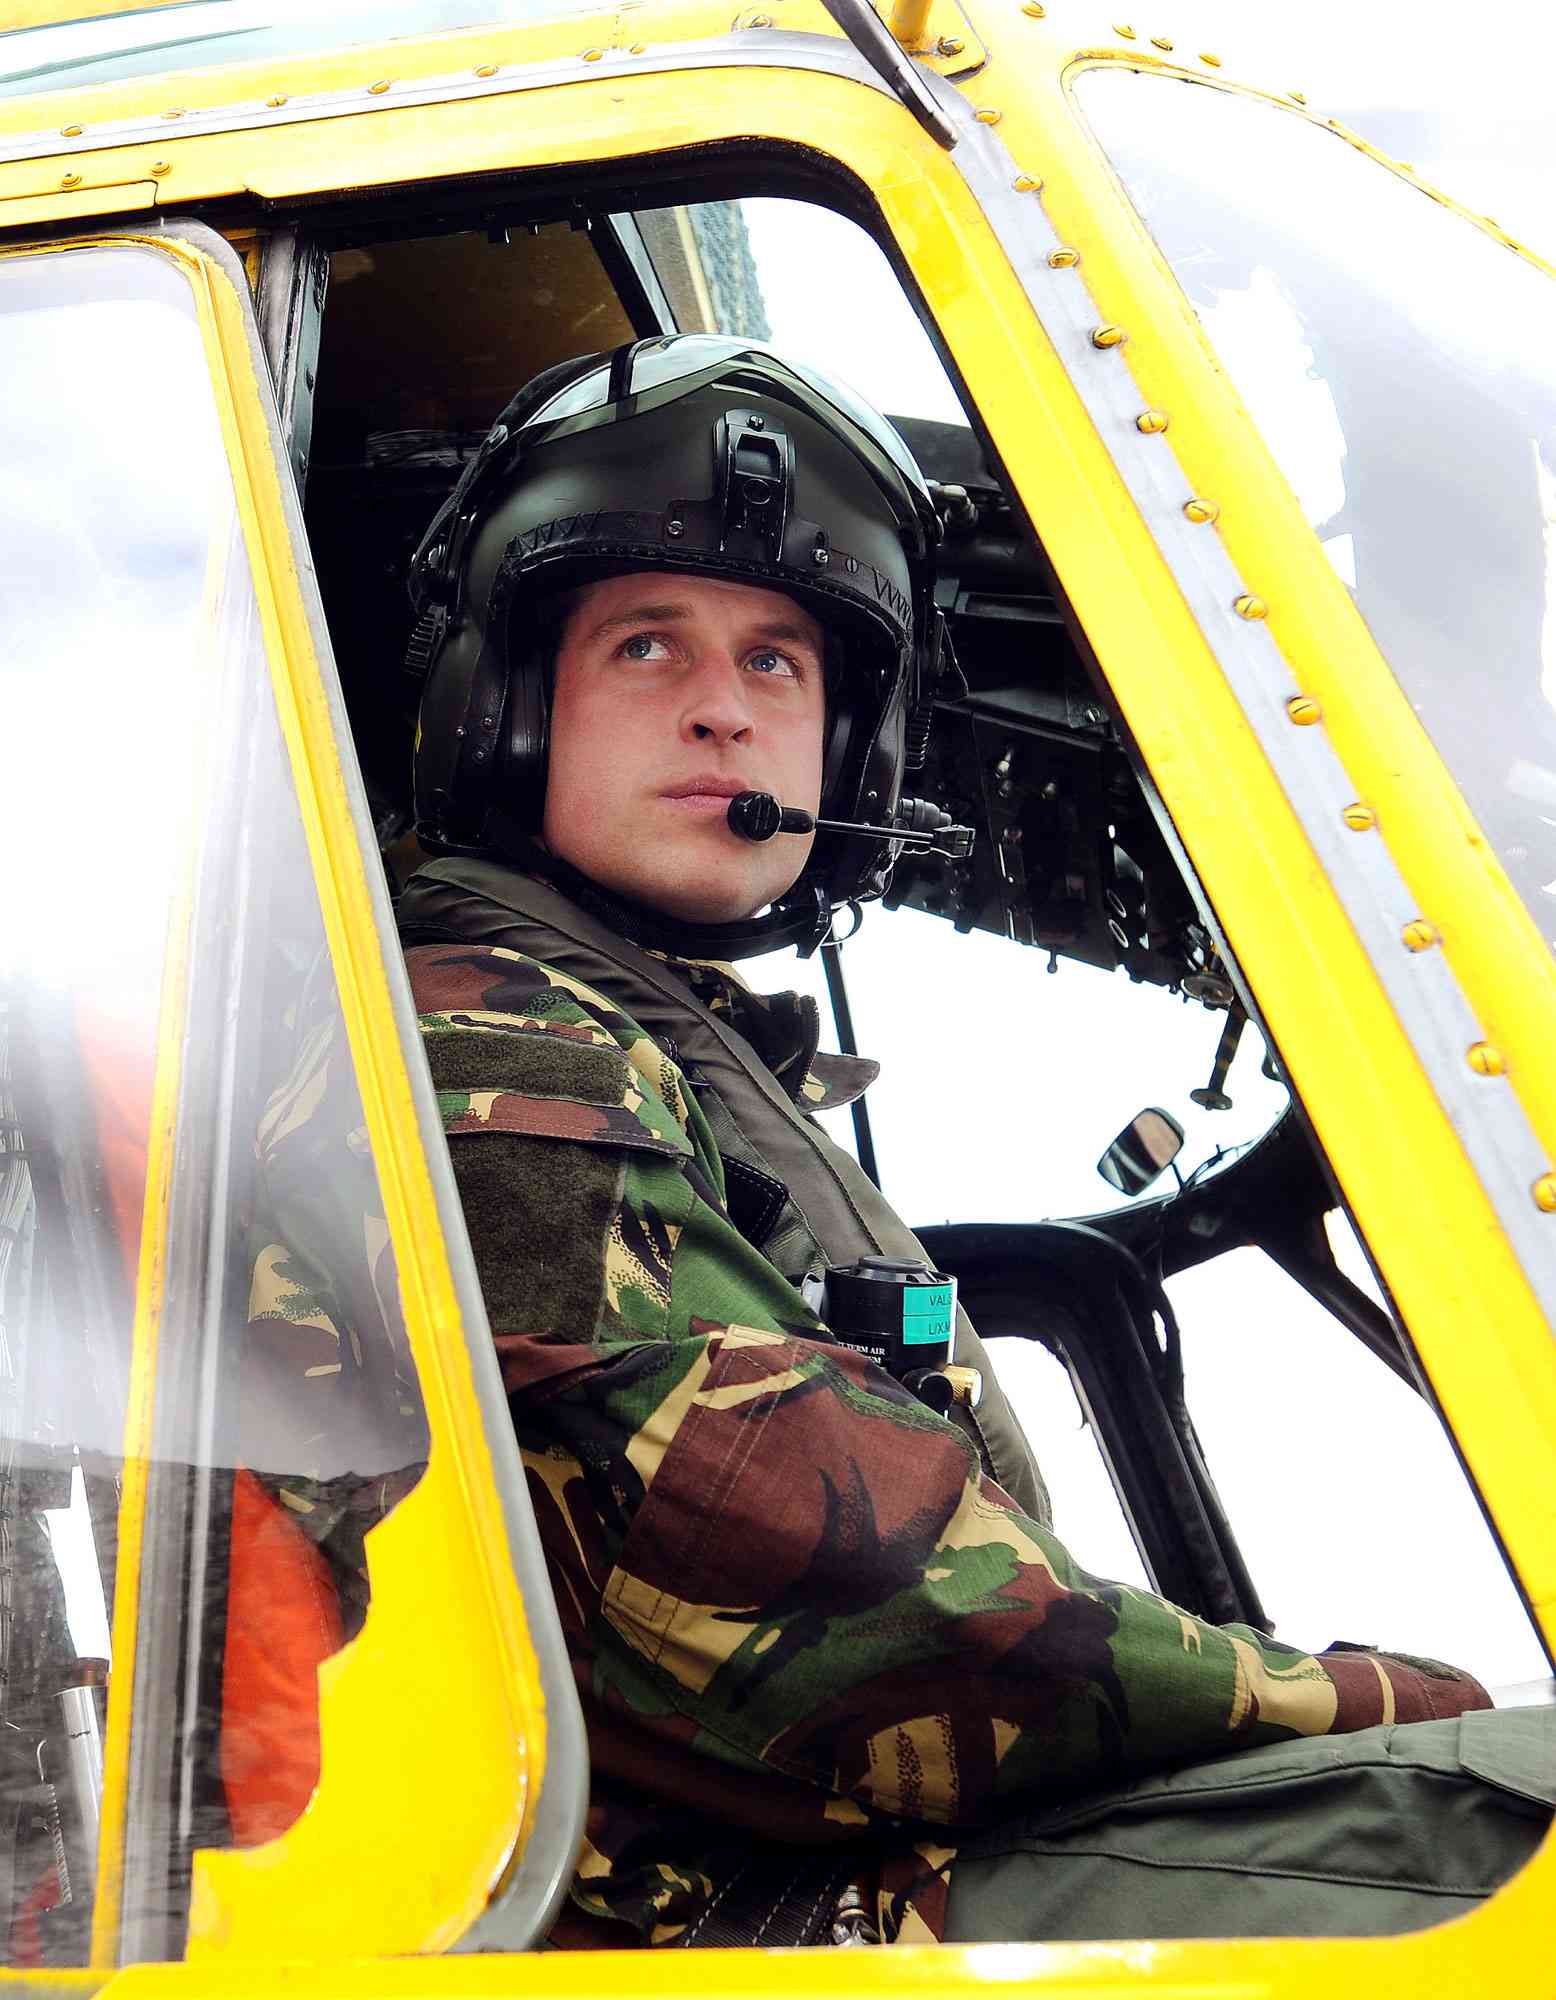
927, 1313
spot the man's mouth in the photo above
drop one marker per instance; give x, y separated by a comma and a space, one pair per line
706, 788
704, 798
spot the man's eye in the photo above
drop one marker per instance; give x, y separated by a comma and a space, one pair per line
770, 661
644, 646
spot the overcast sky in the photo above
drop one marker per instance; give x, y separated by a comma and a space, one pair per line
1462, 93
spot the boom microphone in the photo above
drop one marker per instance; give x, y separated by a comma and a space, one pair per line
918, 825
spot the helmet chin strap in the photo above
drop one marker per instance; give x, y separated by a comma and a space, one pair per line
801, 918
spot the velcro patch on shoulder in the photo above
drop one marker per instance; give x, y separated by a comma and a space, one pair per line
554, 1118
548, 1086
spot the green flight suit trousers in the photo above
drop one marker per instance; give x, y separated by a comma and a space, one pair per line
1390, 1829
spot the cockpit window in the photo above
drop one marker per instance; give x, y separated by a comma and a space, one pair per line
1399, 363
206, 1393
1069, 1059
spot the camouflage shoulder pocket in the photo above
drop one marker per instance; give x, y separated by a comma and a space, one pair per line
543, 1081
543, 1121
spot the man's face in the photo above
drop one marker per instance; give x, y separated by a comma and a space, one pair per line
672, 694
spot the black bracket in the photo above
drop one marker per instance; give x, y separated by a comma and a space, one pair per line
892, 63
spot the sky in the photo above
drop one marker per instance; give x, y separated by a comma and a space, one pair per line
1462, 94
1002, 1086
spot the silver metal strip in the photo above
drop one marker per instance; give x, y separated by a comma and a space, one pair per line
749, 49
1422, 986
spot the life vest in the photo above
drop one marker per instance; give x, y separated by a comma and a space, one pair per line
799, 1198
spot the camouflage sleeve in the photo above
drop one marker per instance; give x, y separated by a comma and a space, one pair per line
769, 1558
811, 1578
331, 1420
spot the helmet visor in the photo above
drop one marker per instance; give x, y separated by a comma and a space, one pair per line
655, 371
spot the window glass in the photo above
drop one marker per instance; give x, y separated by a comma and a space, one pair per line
1351, 1509
1088, 1517
832, 299
1399, 362
160, 940
1001, 1087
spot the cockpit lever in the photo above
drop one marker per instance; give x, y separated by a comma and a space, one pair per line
1213, 1097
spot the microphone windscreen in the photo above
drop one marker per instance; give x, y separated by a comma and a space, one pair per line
755, 815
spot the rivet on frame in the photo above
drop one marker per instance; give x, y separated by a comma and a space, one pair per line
275, 103
1152, 422
1034, 11
594, 55
638, 49
377, 89
987, 115
1064, 258
1303, 711
70, 131
1419, 935
1027, 184
1108, 336
71, 181
1486, 1059
1123, 28
1545, 1193
1202, 510
1296, 97
486, 69
1359, 818
1210, 62
172, 114
1250, 607
1161, 42
160, 167
949, 45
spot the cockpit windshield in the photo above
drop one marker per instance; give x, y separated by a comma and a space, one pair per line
1399, 362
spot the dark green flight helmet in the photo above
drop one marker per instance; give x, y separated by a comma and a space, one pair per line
696, 453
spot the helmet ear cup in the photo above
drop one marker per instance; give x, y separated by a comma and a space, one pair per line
527, 738
456, 740
836, 802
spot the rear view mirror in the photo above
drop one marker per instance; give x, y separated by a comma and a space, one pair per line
1146, 1147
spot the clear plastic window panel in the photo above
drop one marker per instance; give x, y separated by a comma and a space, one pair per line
162, 965
1349, 1503
1401, 364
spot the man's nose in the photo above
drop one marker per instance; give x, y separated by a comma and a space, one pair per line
718, 707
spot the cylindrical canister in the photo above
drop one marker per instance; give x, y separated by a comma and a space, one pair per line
898, 1310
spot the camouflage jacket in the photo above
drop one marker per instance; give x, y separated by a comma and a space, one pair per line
795, 1605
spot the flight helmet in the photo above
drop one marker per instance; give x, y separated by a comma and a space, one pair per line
693, 453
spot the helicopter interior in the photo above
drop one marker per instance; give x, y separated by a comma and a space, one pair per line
399, 331
396, 329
